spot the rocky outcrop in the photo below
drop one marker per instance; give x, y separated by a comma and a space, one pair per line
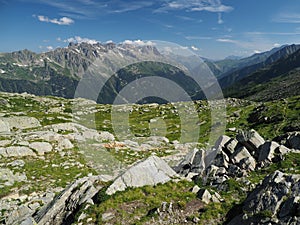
231, 158
65, 205
151, 171
275, 201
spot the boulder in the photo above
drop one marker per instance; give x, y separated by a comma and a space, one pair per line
290, 207
151, 171
294, 140
267, 151
193, 162
222, 141
250, 139
21, 122
219, 146
16, 151
65, 144
195, 189
41, 147
240, 154
231, 145
204, 196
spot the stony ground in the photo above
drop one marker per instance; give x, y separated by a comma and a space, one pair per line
47, 143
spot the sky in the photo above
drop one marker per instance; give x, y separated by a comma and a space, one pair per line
213, 29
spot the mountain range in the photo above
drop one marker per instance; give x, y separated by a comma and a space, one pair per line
58, 72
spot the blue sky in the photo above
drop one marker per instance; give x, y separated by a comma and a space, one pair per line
212, 28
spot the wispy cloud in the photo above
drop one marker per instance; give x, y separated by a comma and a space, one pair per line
187, 18
274, 33
198, 38
252, 44
226, 40
195, 5
129, 6
85, 9
61, 21
287, 18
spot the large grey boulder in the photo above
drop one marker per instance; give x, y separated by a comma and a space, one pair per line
21, 122
151, 171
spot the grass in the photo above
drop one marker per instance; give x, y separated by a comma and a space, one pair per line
53, 171
146, 198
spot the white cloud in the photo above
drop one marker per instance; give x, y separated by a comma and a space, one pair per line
194, 48
215, 6
61, 21
49, 48
137, 42
78, 39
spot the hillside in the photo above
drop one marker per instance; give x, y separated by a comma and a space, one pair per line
69, 148
278, 80
265, 60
